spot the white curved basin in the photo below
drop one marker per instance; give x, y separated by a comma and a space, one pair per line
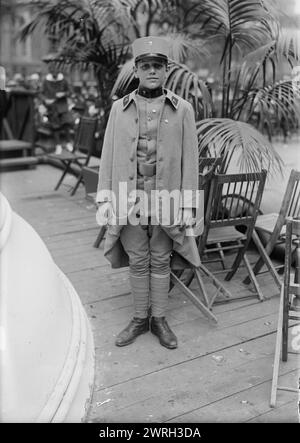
46, 344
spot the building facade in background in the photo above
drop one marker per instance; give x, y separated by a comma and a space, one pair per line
26, 57
21, 57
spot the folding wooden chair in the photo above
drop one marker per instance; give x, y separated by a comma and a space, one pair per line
289, 308
273, 226
84, 145
200, 298
234, 201
183, 272
208, 166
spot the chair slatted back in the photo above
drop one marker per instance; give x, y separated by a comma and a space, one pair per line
292, 230
290, 207
235, 198
85, 135
293, 197
291, 289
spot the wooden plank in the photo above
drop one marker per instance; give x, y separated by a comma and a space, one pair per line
195, 339
249, 405
69, 265
183, 387
286, 413
44, 214
45, 178
211, 364
182, 312
83, 247
19, 161
70, 239
79, 242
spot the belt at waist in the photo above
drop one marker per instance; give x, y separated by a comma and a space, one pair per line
142, 143
146, 169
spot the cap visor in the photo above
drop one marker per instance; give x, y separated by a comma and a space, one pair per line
156, 57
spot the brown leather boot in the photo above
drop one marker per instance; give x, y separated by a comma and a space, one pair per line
136, 327
161, 329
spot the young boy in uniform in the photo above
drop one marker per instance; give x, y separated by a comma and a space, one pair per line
150, 148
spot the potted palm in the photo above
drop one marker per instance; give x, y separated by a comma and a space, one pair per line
247, 98
251, 46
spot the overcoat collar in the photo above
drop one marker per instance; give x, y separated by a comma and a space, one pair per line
172, 98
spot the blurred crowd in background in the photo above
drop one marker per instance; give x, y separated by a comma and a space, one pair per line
82, 98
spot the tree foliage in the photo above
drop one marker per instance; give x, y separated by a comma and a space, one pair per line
248, 92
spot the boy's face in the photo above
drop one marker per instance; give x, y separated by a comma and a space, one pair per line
151, 73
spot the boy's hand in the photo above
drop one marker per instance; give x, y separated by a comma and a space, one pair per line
185, 217
104, 213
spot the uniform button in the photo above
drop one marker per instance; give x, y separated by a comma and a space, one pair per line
154, 110
148, 138
131, 177
149, 119
131, 158
136, 120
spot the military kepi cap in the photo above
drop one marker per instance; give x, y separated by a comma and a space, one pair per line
150, 47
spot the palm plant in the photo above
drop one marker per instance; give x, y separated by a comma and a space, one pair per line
251, 48
84, 34
93, 34
245, 34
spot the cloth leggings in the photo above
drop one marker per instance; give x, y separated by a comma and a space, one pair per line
148, 248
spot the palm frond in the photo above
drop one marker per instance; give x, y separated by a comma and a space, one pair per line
288, 45
285, 46
182, 47
243, 22
62, 17
237, 140
276, 104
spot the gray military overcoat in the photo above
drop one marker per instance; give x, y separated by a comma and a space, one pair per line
177, 166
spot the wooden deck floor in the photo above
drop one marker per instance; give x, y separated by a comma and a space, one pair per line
219, 373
